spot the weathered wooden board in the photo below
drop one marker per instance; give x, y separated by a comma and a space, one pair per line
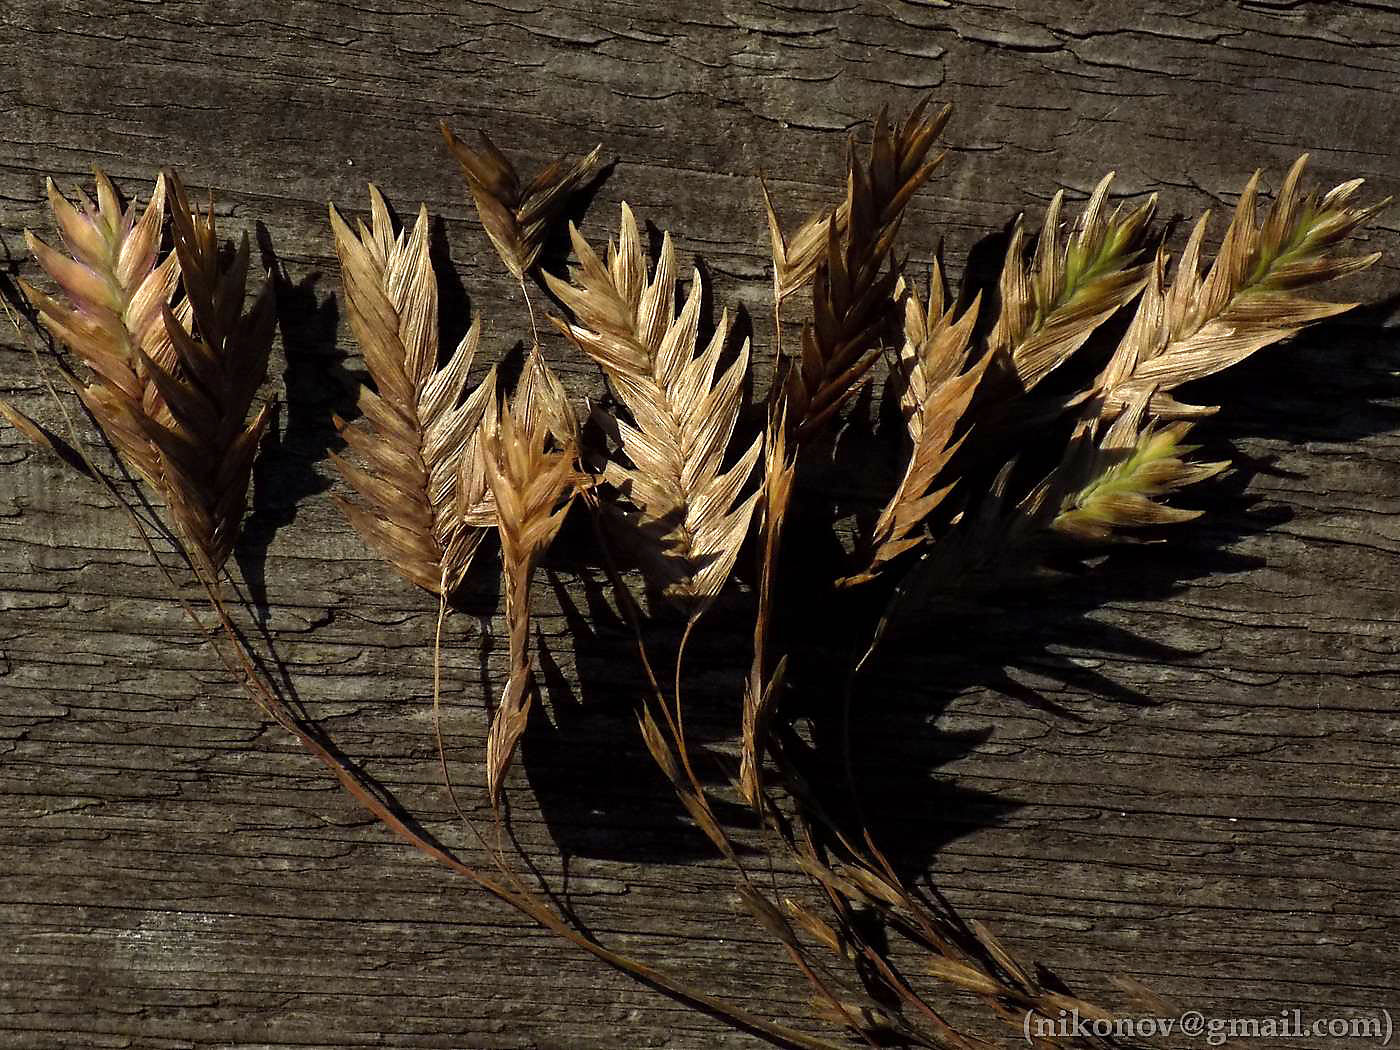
1212, 808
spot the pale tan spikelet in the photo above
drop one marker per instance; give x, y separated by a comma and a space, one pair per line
539, 400
531, 474
795, 258
937, 390
1125, 473
1200, 326
517, 217
1053, 302
927, 357
418, 428
684, 515
116, 283
852, 285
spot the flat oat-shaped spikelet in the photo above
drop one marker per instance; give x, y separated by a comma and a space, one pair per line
1125, 473
937, 387
418, 431
1052, 303
797, 256
682, 512
517, 217
116, 284
171, 388
852, 284
528, 456
1247, 301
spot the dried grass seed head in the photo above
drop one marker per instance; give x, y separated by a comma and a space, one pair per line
116, 283
517, 216
1052, 302
684, 516
418, 431
852, 286
208, 445
1125, 473
530, 469
171, 388
937, 388
1248, 300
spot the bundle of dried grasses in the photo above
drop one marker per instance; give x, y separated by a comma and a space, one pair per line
1121, 463
173, 363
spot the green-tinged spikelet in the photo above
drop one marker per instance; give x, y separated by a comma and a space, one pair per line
1127, 473
1051, 304
1200, 326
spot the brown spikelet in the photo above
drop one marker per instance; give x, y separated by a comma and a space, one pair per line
1053, 302
683, 513
1124, 475
171, 388
517, 217
529, 468
44, 437
937, 389
418, 428
206, 448
761, 686
852, 285
1200, 326
540, 400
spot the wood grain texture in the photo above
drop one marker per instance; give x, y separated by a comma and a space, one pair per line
1208, 802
